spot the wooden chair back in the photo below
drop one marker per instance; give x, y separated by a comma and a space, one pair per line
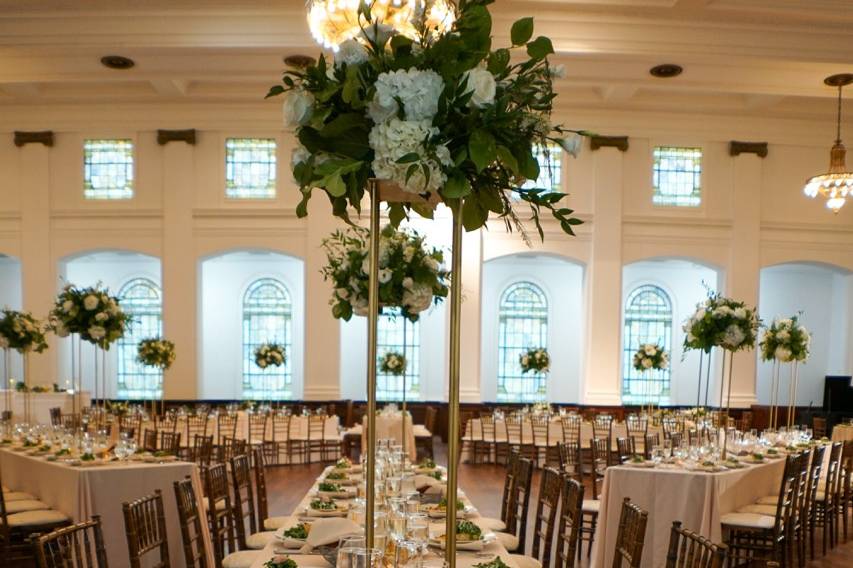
244, 498
818, 427
600, 453
430, 415
77, 546
690, 550
202, 450
56, 416
602, 426
226, 427
197, 425
519, 505
512, 465
568, 531
571, 427
149, 441
170, 442
258, 427
544, 524
625, 449
651, 440
262, 508
631, 536
220, 514
280, 427
232, 447
571, 464
145, 527
190, 519
540, 425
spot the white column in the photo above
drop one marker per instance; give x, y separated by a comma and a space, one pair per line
179, 269
37, 271
472, 272
745, 265
601, 382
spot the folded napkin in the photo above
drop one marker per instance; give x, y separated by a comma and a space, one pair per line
329, 531
427, 484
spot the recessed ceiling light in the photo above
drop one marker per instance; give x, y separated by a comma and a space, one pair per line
666, 70
117, 62
299, 60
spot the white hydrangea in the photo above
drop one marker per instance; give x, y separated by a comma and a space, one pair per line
418, 90
351, 52
418, 298
733, 336
396, 138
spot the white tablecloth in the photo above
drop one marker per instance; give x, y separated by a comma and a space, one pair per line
463, 559
40, 404
81, 492
696, 499
389, 426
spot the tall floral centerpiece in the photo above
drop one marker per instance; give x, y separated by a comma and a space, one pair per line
649, 358
21, 332
785, 341
269, 355
420, 109
536, 360
93, 316
158, 353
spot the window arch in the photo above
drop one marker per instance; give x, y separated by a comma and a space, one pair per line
142, 299
390, 337
267, 318
523, 324
648, 319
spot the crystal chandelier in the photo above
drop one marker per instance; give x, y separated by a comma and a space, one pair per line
836, 185
332, 22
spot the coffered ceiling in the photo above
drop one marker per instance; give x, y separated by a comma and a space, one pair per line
749, 57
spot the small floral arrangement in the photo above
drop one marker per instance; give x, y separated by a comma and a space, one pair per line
651, 356
269, 354
721, 322
785, 340
22, 332
393, 363
540, 408
536, 360
411, 275
438, 112
156, 352
280, 561
90, 312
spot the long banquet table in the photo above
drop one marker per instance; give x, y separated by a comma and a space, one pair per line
81, 492
464, 559
697, 499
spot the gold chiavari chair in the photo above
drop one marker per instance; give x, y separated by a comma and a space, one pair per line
690, 550
568, 531
145, 527
544, 523
77, 546
631, 537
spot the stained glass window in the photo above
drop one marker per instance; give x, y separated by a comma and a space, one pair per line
523, 324
550, 160
395, 332
142, 299
250, 168
677, 176
267, 318
108, 169
648, 319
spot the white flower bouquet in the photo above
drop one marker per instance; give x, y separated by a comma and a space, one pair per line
90, 312
536, 360
156, 352
270, 355
393, 363
721, 322
22, 332
411, 275
786, 340
651, 356
438, 112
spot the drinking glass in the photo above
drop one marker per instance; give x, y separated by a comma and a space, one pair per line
367, 558
347, 549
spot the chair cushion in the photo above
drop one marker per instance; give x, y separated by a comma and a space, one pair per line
420, 431
36, 518
522, 561
260, 540
491, 524
819, 496
25, 505
591, 506
275, 523
769, 510
241, 559
748, 520
769, 500
18, 496
220, 505
509, 541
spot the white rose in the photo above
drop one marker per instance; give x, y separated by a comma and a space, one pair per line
262, 364
418, 299
650, 350
90, 302
101, 316
572, 144
343, 293
647, 363
733, 336
482, 84
408, 283
782, 354
740, 313
97, 332
783, 335
67, 305
525, 361
408, 253
361, 307
298, 155
351, 52
385, 275
298, 106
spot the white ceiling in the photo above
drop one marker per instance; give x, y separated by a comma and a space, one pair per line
749, 57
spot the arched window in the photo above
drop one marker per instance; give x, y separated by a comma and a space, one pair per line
523, 324
267, 318
142, 299
648, 319
393, 332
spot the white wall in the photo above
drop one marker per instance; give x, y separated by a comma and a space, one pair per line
685, 283
562, 281
823, 296
112, 270
224, 280
10, 297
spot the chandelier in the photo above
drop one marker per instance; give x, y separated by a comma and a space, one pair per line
836, 185
332, 22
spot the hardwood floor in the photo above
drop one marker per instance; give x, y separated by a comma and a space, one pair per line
286, 485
